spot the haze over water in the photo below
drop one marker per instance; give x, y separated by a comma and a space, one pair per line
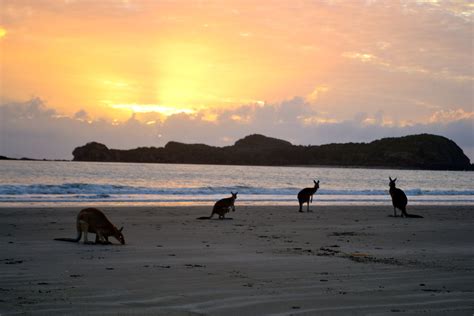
38, 183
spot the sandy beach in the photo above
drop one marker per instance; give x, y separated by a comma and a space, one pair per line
268, 260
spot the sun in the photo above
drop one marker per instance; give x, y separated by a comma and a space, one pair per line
3, 32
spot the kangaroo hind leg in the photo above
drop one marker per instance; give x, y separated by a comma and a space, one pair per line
99, 238
85, 228
404, 212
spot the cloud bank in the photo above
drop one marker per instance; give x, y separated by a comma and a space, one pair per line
31, 129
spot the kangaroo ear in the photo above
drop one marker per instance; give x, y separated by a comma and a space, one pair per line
394, 179
121, 228
318, 182
236, 193
390, 178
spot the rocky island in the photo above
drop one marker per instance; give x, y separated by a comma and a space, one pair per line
422, 151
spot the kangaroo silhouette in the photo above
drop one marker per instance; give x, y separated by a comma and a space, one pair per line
222, 207
306, 196
92, 220
399, 200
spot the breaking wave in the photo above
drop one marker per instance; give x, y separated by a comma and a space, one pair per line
76, 192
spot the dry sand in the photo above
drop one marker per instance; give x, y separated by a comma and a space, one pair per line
268, 260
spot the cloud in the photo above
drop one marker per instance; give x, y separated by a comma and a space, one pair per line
451, 116
81, 116
363, 57
409, 69
31, 129
316, 93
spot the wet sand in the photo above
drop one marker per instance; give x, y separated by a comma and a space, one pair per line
268, 260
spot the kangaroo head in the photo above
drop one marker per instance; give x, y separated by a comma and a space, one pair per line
118, 235
234, 195
316, 184
392, 182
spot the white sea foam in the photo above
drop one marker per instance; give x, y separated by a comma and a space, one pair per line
104, 191
50, 182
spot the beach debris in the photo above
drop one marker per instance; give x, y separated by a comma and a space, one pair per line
75, 275
194, 266
343, 234
323, 251
162, 266
12, 261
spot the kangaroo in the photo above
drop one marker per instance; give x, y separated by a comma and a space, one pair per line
306, 195
92, 220
222, 207
399, 200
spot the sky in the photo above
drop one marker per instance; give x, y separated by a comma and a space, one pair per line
135, 73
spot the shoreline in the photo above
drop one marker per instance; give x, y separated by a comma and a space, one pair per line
208, 204
268, 260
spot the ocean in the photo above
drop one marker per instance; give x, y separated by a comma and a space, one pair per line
49, 183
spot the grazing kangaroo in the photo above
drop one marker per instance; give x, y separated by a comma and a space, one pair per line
222, 207
92, 220
399, 200
306, 195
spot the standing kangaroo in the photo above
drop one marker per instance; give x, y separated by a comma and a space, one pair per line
399, 200
222, 207
306, 195
92, 220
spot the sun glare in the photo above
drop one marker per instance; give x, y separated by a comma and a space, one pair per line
185, 72
3, 32
149, 108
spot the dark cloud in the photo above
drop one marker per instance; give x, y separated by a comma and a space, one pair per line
81, 115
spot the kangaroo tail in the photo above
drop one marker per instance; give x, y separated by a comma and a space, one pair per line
413, 216
79, 235
67, 239
207, 217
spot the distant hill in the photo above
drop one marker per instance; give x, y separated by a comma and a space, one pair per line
25, 159
422, 151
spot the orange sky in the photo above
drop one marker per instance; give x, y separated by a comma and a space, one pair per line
107, 56
82, 55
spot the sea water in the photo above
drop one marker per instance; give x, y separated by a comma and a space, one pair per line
50, 183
